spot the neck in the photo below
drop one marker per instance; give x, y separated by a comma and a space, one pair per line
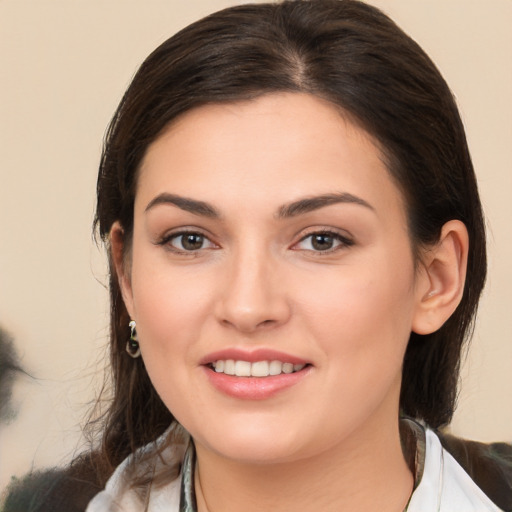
362, 473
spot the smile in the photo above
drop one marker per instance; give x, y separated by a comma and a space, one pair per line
241, 368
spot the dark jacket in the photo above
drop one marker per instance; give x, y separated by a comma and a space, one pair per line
70, 490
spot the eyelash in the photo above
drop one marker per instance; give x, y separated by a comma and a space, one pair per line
166, 241
343, 242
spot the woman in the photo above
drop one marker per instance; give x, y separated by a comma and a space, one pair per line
297, 252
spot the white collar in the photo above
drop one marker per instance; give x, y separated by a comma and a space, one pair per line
444, 486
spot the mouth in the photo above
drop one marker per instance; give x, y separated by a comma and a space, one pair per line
254, 375
241, 368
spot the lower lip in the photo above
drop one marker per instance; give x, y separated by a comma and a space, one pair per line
254, 388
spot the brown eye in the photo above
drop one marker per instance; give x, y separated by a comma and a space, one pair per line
323, 242
190, 242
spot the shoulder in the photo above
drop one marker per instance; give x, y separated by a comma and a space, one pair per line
454, 474
52, 490
488, 465
149, 479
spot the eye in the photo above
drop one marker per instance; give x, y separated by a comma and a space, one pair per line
324, 241
188, 241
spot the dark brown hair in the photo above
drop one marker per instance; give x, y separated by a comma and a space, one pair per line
352, 55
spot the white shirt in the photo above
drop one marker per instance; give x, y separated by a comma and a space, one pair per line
444, 487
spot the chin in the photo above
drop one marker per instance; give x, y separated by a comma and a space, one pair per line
249, 452
256, 443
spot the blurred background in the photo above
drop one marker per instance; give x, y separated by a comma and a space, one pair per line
64, 65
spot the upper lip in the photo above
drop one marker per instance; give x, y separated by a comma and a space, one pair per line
252, 356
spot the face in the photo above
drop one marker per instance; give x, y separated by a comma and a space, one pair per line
271, 278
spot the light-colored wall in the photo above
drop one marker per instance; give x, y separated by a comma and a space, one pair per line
63, 68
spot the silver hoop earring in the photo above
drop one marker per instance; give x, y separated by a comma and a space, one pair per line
132, 345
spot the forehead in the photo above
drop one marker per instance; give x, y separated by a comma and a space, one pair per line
265, 150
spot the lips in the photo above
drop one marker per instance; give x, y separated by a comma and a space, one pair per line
254, 375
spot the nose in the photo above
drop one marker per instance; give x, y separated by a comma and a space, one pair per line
253, 295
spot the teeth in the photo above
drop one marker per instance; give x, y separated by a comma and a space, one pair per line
243, 369
257, 369
287, 368
275, 367
229, 367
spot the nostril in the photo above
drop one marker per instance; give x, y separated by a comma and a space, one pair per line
247, 325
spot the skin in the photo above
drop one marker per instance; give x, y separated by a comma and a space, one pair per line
257, 281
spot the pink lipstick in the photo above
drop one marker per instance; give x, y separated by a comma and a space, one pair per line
254, 375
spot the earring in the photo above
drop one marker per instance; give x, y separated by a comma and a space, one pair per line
132, 345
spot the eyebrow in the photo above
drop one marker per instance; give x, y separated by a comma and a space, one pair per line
299, 207
185, 203
309, 204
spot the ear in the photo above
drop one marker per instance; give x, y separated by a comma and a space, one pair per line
121, 265
441, 280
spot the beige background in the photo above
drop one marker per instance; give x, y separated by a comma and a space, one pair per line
63, 68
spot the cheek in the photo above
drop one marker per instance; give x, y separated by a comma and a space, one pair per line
171, 306
362, 315
362, 325
170, 317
